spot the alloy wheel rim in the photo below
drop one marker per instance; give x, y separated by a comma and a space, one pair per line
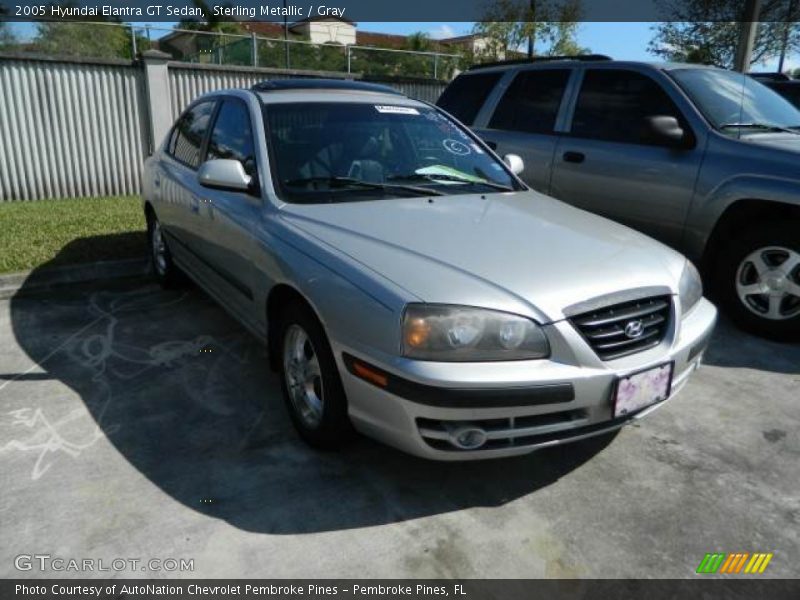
303, 376
159, 249
768, 283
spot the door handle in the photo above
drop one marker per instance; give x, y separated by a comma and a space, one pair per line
492, 145
574, 157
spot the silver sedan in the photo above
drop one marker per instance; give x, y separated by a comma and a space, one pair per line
409, 286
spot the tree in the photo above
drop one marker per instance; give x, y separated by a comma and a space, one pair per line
7, 37
83, 39
548, 26
212, 22
708, 32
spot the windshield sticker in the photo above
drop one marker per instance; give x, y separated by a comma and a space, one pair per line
396, 110
456, 147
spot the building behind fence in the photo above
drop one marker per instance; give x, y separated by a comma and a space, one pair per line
84, 127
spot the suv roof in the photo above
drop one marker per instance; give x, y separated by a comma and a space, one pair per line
537, 59
276, 85
581, 58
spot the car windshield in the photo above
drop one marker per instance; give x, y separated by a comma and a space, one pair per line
734, 102
344, 151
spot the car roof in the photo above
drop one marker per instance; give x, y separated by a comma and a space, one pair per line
321, 90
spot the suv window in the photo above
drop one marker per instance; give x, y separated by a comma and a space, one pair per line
465, 96
613, 104
531, 102
190, 131
232, 136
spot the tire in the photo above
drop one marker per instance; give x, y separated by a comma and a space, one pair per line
164, 269
310, 381
756, 279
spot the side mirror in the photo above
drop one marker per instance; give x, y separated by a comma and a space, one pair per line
667, 131
225, 174
514, 163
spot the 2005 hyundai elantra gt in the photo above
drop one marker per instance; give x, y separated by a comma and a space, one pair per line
408, 284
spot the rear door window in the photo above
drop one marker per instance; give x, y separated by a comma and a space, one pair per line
465, 96
190, 131
531, 102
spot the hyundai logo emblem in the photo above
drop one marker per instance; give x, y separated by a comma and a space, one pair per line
634, 329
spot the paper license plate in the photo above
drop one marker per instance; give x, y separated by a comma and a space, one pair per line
639, 390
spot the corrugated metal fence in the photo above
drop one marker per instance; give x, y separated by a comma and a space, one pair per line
80, 128
70, 129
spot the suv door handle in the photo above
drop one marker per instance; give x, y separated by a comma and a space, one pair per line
574, 157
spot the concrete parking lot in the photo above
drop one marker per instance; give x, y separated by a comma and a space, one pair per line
139, 423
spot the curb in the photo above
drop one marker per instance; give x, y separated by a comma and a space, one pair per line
38, 280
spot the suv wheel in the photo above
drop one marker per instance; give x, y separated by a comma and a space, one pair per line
312, 388
758, 280
167, 274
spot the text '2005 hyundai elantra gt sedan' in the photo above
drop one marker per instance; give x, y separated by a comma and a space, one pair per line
408, 284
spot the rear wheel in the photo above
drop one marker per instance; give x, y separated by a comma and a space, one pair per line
757, 279
164, 269
312, 388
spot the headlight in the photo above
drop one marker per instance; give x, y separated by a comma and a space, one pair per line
690, 288
460, 333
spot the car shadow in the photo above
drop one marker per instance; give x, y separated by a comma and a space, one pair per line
732, 347
184, 394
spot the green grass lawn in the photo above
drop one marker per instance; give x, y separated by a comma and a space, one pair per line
76, 230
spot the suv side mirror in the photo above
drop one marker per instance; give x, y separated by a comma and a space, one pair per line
514, 163
667, 131
226, 174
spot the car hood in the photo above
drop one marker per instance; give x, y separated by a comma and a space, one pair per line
522, 252
782, 141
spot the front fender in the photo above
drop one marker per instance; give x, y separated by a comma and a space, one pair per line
706, 213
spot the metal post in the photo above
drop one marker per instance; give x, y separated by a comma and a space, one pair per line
348, 57
133, 44
253, 49
747, 35
785, 41
285, 35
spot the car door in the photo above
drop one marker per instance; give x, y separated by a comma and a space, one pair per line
179, 207
524, 120
607, 162
229, 216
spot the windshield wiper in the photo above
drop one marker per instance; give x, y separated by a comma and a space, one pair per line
442, 177
338, 182
766, 126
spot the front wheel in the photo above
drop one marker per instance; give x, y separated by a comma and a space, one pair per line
312, 388
758, 281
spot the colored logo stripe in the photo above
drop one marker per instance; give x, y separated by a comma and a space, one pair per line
758, 563
719, 562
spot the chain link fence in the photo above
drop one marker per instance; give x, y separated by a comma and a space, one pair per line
119, 40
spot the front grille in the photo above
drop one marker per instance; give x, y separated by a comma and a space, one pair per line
604, 328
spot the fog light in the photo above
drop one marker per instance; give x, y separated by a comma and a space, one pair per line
468, 437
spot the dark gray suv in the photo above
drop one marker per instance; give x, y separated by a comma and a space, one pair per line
703, 159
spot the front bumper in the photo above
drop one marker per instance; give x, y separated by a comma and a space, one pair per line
522, 405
